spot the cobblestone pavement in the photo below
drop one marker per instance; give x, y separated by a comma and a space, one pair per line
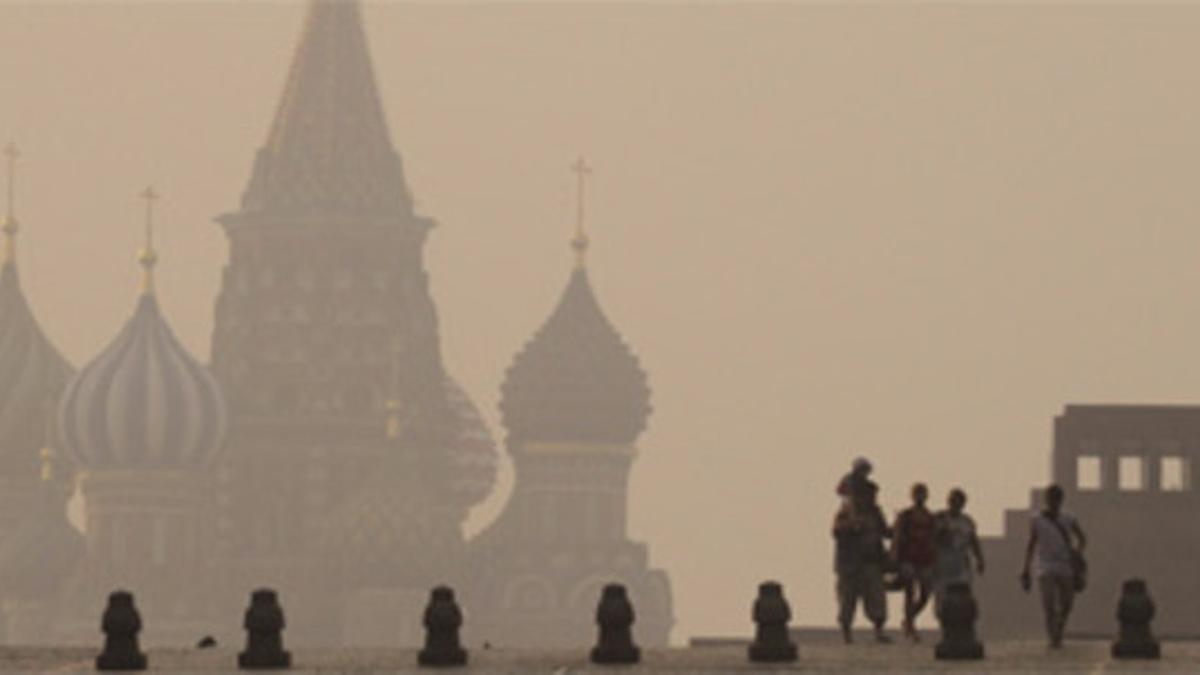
1003, 657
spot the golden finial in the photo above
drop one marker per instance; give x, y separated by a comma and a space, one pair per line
580, 242
11, 153
147, 257
47, 456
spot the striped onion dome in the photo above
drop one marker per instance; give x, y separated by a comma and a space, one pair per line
144, 402
576, 380
32, 375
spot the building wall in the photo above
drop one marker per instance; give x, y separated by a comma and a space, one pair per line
539, 569
1126, 471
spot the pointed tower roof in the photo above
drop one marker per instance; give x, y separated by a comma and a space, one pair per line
576, 380
32, 372
329, 151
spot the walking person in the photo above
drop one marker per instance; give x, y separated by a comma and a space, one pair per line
859, 530
1059, 565
913, 546
957, 543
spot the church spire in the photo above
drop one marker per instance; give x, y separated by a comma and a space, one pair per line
10, 227
329, 151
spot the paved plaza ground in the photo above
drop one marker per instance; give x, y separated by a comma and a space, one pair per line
1003, 657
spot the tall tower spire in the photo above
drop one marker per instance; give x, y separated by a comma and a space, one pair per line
10, 227
329, 150
326, 270
580, 242
148, 257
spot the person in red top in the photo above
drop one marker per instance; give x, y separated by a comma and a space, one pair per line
913, 547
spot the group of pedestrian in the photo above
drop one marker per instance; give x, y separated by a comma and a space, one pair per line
922, 553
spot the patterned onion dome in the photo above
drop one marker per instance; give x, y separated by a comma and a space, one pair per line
474, 452
32, 375
576, 380
143, 402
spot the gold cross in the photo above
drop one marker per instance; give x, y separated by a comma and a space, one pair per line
150, 196
580, 243
147, 256
12, 153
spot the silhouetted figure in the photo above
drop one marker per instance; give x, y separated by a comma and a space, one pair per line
121, 625
1061, 571
772, 643
855, 483
206, 642
615, 617
264, 626
958, 614
858, 531
443, 619
1134, 612
956, 543
913, 548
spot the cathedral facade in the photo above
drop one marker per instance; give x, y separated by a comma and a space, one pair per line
325, 451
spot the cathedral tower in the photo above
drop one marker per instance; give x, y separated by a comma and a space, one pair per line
144, 422
574, 402
325, 286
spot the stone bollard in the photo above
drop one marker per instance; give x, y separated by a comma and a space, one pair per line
264, 626
1135, 611
615, 617
121, 625
772, 644
958, 615
443, 619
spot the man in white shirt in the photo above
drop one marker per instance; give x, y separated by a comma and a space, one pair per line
1050, 535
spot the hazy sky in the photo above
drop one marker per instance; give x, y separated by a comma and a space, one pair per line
908, 232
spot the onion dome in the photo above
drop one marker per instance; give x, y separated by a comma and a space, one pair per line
473, 452
144, 402
576, 380
32, 372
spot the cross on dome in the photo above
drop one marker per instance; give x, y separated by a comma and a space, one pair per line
148, 257
580, 242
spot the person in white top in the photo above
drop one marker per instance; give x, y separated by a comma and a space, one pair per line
1058, 562
957, 543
